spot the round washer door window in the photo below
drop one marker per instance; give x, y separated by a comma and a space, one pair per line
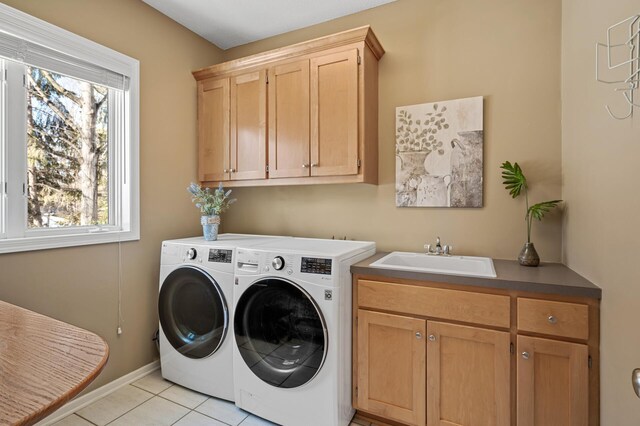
280, 333
193, 312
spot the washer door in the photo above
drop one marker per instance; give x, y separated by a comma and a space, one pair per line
280, 333
193, 312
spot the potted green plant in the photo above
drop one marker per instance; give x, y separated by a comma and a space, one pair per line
211, 205
516, 183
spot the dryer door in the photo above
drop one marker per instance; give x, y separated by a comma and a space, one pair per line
193, 312
280, 333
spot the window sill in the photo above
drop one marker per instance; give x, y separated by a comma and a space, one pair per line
14, 245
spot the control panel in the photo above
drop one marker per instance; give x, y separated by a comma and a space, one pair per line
315, 265
220, 255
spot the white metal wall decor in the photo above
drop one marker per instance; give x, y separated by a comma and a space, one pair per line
622, 52
439, 154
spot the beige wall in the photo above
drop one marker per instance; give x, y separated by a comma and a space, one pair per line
602, 224
505, 50
79, 285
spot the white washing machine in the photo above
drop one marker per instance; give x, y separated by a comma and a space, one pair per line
292, 328
195, 308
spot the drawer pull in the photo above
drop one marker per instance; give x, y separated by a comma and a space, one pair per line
525, 355
418, 335
432, 338
552, 319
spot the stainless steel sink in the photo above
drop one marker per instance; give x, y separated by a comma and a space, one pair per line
449, 265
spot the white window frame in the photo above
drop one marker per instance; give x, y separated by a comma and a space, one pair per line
124, 202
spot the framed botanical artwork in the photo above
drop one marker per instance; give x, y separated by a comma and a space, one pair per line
439, 154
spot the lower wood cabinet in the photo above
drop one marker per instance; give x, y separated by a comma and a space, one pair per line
468, 380
391, 366
553, 382
419, 361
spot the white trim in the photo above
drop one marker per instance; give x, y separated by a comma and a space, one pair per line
13, 245
3, 150
20, 24
91, 397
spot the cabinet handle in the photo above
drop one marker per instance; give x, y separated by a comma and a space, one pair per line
552, 319
432, 338
232, 170
418, 335
226, 170
525, 355
635, 379
304, 166
314, 164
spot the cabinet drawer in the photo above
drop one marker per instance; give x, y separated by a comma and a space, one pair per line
554, 318
456, 305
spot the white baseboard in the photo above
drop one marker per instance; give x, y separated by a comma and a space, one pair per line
84, 400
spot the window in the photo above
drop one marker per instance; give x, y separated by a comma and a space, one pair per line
68, 138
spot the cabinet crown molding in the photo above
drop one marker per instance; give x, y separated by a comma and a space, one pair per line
357, 35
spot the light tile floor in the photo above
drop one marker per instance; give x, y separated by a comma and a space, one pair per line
153, 401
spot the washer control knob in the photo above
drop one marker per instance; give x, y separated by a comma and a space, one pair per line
191, 254
277, 263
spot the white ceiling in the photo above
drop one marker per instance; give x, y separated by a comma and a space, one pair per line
230, 23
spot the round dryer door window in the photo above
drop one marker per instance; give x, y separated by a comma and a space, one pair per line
193, 312
280, 333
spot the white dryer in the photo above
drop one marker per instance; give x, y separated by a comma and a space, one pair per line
292, 329
195, 308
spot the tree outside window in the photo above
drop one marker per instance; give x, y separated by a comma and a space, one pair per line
67, 151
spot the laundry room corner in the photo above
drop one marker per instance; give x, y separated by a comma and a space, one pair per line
79, 285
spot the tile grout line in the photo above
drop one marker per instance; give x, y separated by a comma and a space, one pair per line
229, 424
185, 415
76, 414
128, 411
181, 405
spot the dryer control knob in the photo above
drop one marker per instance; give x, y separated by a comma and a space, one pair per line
277, 263
191, 254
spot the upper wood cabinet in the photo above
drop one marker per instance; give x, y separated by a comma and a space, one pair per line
334, 114
213, 130
248, 151
320, 100
232, 127
289, 120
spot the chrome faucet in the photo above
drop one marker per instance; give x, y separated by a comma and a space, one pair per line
440, 250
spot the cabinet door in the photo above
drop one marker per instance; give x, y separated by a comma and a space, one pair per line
391, 366
553, 383
467, 376
213, 130
334, 114
248, 126
289, 120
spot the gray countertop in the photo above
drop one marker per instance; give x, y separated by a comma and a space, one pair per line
552, 278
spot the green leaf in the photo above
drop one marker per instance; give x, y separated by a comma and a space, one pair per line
537, 211
513, 178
